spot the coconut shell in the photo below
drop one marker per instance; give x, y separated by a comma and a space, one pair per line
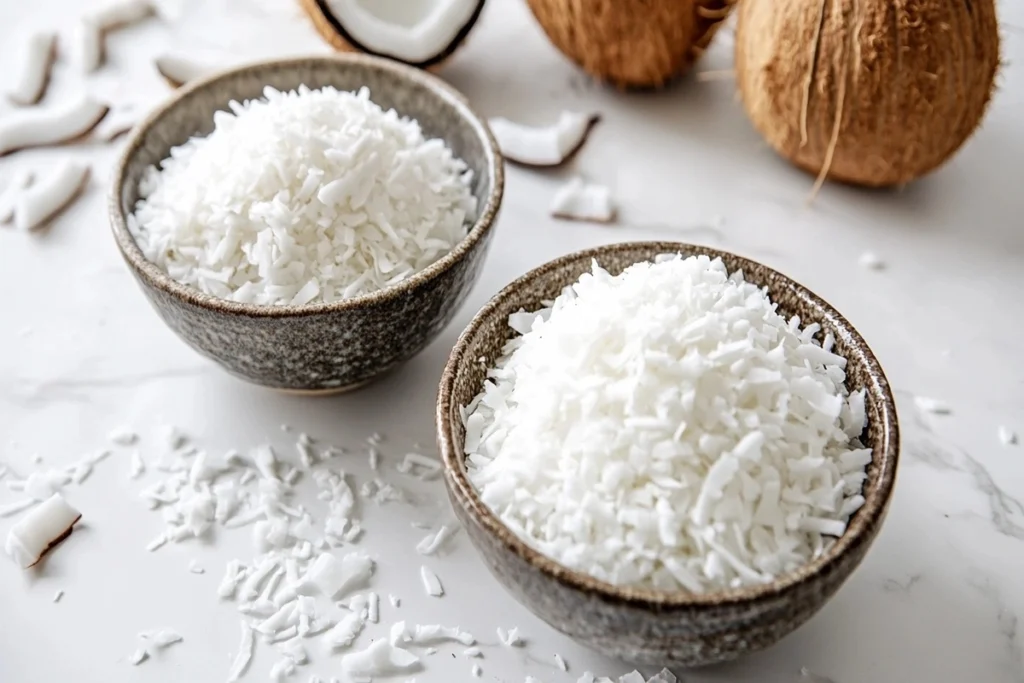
338, 38
870, 92
631, 43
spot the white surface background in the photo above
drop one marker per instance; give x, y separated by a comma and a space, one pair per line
937, 600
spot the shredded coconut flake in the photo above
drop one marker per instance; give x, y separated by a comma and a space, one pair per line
667, 428
431, 584
281, 205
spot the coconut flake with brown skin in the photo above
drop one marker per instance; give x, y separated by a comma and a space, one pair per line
631, 43
39, 127
422, 33
40, 530
180, 70
543, 145
45, 199
871, 92
33, 74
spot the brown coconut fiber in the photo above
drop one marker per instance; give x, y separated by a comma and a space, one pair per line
631, 43
870, 92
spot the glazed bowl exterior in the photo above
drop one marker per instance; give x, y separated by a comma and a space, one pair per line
647, 626
318, 347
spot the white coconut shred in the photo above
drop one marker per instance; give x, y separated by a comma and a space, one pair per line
667, 428
303, 196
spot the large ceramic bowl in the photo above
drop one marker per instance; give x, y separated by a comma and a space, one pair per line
648, 626
320, 347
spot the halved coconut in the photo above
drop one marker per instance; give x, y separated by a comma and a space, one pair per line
421, 33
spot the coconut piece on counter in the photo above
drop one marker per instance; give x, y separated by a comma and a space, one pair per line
42, 126
543, 145
423, 33
33, 74
40, 530
177, 70
581, 201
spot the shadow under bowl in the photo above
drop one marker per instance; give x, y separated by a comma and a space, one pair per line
646, 626
318, 347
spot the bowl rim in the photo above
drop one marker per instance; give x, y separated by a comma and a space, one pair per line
861, 529
154, 276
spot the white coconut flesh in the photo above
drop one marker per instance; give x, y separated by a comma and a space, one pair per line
581, 201
413, 31
542, 145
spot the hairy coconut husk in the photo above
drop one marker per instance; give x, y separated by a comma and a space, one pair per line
338, 38
871, 92
631, 43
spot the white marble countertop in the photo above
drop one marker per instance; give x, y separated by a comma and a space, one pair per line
939, 597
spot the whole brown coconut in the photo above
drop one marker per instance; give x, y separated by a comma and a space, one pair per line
631, 43
872, 92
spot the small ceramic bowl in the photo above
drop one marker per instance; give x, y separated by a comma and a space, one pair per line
648, 626
319, 347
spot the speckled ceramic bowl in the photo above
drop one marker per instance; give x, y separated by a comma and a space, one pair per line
647, 626
316, 347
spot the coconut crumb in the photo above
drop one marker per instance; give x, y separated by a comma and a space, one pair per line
560, 663
122, 436
1007, 436
195, 567
431, 582
138, 657
932, 405
871, 261
581, 201
58, 595
477, 671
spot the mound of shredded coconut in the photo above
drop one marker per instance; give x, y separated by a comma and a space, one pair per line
303, 196
667, 428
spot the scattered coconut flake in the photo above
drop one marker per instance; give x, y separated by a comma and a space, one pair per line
560, 663
472, 652
195, 567
373, 608
138, 657
808, 676
87, 44
58, 595
333, 578
663, 676
43, 200
1007, 437
157, 543
932, 405
296, 652
282, 669
40, 529
17, 506
426, 634
122, 436
511, 638
166, 637
178, 70
345, 632
433, 542
18, 182
138, 466
543, 146
581, 201
41, 126
395, 600
871, 261
39, 52
121, 13
172, 437
381, 658
477, 671
431, 584
244, 655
